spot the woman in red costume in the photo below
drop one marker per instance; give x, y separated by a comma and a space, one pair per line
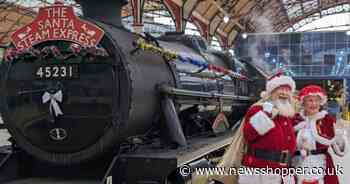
315, 130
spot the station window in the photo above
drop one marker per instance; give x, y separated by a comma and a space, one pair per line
329, 59
214, 44
191, 29
307, 59
156, 22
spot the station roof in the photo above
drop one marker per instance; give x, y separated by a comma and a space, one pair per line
244, 15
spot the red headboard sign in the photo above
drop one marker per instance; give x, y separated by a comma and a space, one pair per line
57, 22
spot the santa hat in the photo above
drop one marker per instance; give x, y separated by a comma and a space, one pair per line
276, 81
313, 90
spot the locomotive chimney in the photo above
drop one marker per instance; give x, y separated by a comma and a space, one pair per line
108, 11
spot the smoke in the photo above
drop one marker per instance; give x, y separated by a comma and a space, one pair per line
262, 25
258, 60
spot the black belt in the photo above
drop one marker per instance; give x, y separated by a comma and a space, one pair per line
282, 157
313, 152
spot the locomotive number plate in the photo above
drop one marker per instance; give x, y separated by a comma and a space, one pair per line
69, 71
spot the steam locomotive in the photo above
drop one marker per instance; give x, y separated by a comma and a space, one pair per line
130, 109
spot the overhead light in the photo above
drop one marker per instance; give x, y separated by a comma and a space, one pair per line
348, 33
244, 35
226, 19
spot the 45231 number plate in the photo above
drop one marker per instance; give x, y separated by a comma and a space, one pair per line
59, 71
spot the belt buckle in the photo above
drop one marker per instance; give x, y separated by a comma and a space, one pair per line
284, 158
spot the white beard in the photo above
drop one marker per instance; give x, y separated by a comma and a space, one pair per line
284, 107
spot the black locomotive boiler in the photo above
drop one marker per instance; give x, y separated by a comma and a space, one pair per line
132, 102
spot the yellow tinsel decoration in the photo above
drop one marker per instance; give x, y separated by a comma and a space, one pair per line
169, 55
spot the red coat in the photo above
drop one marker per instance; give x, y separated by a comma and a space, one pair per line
262, 135
324, 134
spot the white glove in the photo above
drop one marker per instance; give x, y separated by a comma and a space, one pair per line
340, 137
340, 145
267, 107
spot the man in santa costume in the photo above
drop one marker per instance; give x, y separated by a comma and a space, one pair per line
315, 130
268, 132
265, 139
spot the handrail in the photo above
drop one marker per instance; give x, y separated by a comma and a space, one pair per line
185, 92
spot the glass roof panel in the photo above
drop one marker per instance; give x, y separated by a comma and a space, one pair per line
191, 29
310, 5
331, 22
294, 11
289, 3
337, 9
31, 3
215, 44
335, 18
36, 4
296, 8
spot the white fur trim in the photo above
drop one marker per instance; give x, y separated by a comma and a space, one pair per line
312, 120
300, 126
315, 117
305, 139
279, 81
319, 138
261, 123
322, 96
341, 150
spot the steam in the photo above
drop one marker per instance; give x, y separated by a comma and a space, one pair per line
262, 25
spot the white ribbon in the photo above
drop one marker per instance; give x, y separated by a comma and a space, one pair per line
53, 101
